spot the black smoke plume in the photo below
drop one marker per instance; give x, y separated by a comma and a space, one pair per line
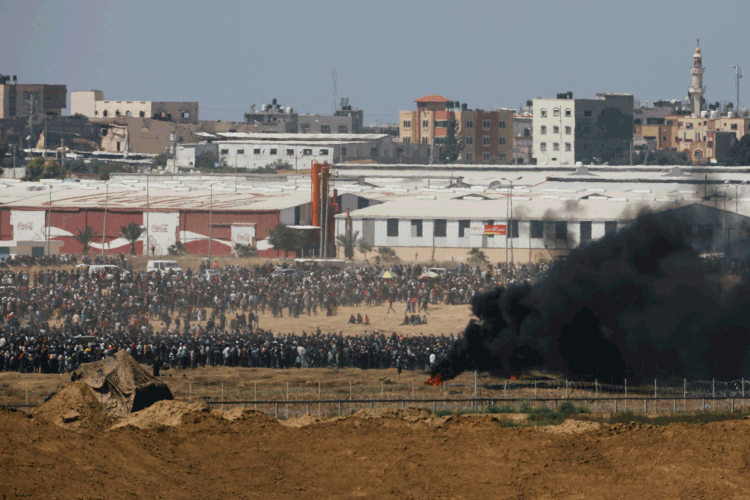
638, 304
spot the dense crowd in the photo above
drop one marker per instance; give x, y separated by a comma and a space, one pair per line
54, 319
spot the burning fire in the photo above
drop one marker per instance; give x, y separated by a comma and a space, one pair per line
513, 377
435, 380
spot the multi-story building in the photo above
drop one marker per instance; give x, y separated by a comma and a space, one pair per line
91, 103
568, 130
276, 118
31, 99
523, 141
486, 136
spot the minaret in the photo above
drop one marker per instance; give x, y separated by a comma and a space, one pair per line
697, 90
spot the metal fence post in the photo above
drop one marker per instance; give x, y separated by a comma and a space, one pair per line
615, 405
684, 394
732, 405
339, 408
674, 406
277, 410
645, 405
626, 394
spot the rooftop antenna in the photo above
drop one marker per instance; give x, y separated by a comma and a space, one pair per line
737, 76
334, 87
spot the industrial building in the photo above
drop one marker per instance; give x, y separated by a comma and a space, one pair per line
91, 103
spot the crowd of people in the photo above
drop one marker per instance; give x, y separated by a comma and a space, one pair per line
58, 317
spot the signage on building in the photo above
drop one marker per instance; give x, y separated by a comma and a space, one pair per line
494, 229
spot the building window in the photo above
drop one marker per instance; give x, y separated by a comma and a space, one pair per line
501, 156
556, 112
343, 129
463, 226
555, 146
543, 130
501, 124
343, 151
407, 123
709, 145
441, 228
561, 231
697, 136
485, 140
118, 147
555, 129
127, 113
290, 152
416, 228
670, 123
734, 126
12, 98
485, 157
567, 112
117, 113
689, 126
698, 153
48, 98
142, 114
543, 146
469, 123
425, 140
186, 114
240, 151
568, 147
105, 113
274, 151
256, 151
305, 127
392, 227
610, 227
486, 124
537, 229
585, 231
514, 229
587, 129
501, 141
307, 152
324, 152
469, 140
225, 151
568, 130
325, 129
544, 113
470, 157
425, 124
587, 113
373, 152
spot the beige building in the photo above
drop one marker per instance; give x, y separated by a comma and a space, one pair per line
91, 103
34, 99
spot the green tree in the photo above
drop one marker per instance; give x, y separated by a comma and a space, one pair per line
3, 149
208, 160
453, 145
244, 250
387, 254
160, 160
39, 169
477, 257
364, 248
349, 241
177, 249
106, 170
85, 237
132, 232
284, 239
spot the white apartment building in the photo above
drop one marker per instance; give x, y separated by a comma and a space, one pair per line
554, 131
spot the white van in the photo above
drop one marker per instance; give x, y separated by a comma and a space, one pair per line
163, 266
108, 269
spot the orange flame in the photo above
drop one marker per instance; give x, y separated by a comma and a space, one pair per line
513, 377
435, 380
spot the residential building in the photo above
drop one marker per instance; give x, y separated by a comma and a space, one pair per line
568, 130
523, 140
91, 104
277, 118
31, 99
487, 136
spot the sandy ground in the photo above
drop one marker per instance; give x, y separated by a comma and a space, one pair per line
173, 452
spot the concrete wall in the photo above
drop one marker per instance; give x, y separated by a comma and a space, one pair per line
84, 102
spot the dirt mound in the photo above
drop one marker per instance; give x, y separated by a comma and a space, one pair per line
241, 414
74, 407
405, 414
121, 385
302, 421
572, 427
164, 414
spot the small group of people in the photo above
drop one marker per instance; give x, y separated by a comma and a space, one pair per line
359, 320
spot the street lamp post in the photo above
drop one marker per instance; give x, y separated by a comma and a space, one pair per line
509, 230
736, 221
104, 226
148, 217
210, 226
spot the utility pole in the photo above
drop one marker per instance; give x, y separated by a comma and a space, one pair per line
210, 226
509, 230
62, 153
44, 153
14, 160
148, 216
737, 76
104, 228
30, 102
49, 219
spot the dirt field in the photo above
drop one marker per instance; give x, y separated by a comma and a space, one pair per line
176, 452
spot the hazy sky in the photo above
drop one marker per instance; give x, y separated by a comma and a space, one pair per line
230, 55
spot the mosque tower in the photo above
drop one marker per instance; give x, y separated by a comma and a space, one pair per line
697, 90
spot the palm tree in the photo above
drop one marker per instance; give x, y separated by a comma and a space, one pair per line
132, 232
477, 257
245, 250
85, 237
177, 249
364, 248
349, 241
387, 254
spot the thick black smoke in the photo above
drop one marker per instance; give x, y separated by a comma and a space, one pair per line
638, 304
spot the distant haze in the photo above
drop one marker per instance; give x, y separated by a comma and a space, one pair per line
230, 55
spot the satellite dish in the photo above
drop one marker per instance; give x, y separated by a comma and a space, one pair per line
495, 184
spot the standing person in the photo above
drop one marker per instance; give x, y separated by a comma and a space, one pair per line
157, 366
390, 305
